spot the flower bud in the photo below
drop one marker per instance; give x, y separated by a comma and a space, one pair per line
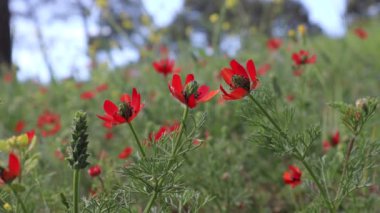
362, 104
95, 171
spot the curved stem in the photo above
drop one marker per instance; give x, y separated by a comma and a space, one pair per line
141, 149
177, 141
297, 155
75, 190
18, 199
268, 116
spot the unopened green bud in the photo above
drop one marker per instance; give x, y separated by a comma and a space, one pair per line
79, 142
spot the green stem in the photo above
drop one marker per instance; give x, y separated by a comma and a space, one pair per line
151, 201
268, 116
76, 190
172, 157
137, 140
18, 199
298, 155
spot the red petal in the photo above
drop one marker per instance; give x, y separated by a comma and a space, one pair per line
125, 98
189, 78
14, 165
251, 70
136, 99
208, 96
227, 76
202, 91
191, 101
109, 107
238, 68
236, 94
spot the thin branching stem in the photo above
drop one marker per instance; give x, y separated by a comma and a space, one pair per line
141, 149
298, 155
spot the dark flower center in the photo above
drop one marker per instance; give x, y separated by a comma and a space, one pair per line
125, 110
191, 89
242, 82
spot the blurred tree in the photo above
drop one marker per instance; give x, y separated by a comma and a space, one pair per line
5, 33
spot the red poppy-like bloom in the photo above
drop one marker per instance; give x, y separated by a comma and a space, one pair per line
126, 112
30, 134
274, 44
263, 69
101, 88
162, 131
126, 153
361, 33
88, 95
49, 123
19, 126
94, 171
292, 176
8, 77
164, 66
240, 80
7, 175
332, 142
302, 58
190, 94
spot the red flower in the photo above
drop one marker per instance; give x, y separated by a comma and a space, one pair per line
30, 135
240, 80
126, 112
49, 123
108, 135
263, 69
126, 153
19, 126
59, 155
274, 44
101, 88
361, 33
164, 66
8, 77
302, 58
7, 175
191, 93
292, 176
95, 171
88, 95
332, 142
162, 131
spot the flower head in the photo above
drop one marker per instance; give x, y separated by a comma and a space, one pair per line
332, 142
302, 58
361, 33
94, 171
126, 153
7, 175
19, 126
190, 94
240, 80
167, 129
164, 66
49, 123
87, 95
128, 109
274, 44
292, 176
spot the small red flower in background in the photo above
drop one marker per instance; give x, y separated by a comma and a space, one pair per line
263, 69
190, 94
108, 135
101, 88
30, 135
297, 72
164, 66
20, 125
49, 123
162, 131
361, 33
240, 80
302, 58
274, 44
126, 112
290, 98
332, 142
7, 175
292, 176
88, 95
126, 153
94, 171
